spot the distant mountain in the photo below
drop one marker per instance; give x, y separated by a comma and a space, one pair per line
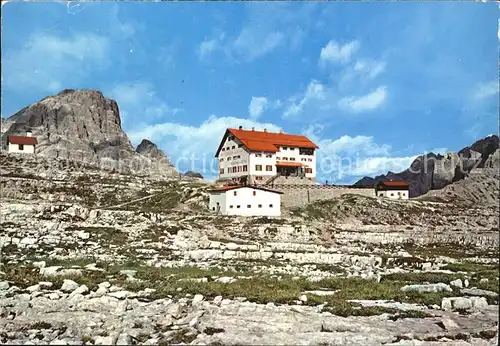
82, 125
431, 172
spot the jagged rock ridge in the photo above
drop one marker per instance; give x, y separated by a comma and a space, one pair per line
433, 172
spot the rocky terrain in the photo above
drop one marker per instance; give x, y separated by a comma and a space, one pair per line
102, 257
105, 244
434, 172
85, 126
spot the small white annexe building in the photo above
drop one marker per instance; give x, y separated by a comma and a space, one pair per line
21, 144
393, 189
245, 201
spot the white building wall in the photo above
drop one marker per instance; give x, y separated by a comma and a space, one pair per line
270, 202
217, 197
28, 149
394, 194
308, 161
265, 159
227, 158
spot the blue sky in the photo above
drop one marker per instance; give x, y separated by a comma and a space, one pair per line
376, 83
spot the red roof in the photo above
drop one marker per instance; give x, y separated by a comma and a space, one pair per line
233, 187
395, 183
288, 164
268, 141
22, 140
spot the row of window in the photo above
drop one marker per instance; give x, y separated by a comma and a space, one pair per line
231, 147
244, 168
250, 206
392, 194
269, 168
267, 155
235, 169
235, 193
291, 159
235, 157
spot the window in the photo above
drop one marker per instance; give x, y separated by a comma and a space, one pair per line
258, 178
260, 205
233, 147
237, 207
255, 193
229, 158
213, 208
240, 145
21, 146
235, 193
258, 167
239, 168
278, 158
269, 156
230, 207
399, 193
249, 205
309, 170
270, 205
381, 194
235, 157
221, 171
285, 158
292, 149
269, 168
310, 159
292, 159
223, 149
227, 148
221, 159
231, 138
284, 148
258, 155
392, 194
245, 168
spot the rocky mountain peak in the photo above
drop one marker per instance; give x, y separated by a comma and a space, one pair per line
81, 125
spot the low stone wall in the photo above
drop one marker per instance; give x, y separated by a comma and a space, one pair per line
296, 196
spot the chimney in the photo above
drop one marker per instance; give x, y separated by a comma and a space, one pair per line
253, 128
265, 130
29, 133
240, 127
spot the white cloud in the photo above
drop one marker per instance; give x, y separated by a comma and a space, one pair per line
335, 52
315, 92
485, 90
46, 61
139, 102
353, 156
370, 68
266, 28
368, 102
207, 47
257, 106
380, 165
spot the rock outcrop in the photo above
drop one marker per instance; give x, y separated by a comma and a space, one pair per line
191, 174
85, 126
432, 172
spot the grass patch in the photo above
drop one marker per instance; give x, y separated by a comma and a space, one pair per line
453, 250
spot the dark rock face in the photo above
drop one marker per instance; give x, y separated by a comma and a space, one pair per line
192, 174
431, 172
80, 125
149, 149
